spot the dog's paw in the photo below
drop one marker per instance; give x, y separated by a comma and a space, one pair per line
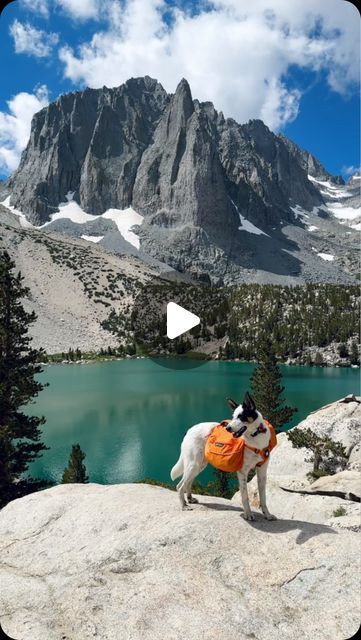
248, 516
192, 500
186, 507
270, 516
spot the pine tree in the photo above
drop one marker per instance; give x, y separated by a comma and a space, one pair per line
354, 357
308, 360
75, 471
343, 350
328, 456
267, 389
19, 433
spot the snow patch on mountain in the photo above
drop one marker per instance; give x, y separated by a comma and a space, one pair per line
125, 219
344, 213
23, 221
329, 189
299, 212
92, 238
326, 256
341, 201
71, 211
248, 226
336, 194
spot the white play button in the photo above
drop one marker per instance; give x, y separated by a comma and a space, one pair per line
179, 320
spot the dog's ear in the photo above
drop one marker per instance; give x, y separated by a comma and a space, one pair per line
232, 404
248, 402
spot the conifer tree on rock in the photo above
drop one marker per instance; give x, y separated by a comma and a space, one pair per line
328, 456
267, 389
19, 433
75, 471
354, 356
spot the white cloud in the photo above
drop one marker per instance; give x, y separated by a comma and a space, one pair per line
235, 54
281, 105
349, 171
15, 125
76, 9
37, 6
80, 9
32, 41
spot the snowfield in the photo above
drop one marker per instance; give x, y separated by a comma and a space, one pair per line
329, 189
125, 219
299, 212
339, 210
23, 221
71, 211
345, 213
248, 226
92, 238
326, 256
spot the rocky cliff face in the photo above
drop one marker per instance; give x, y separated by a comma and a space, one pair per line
196, 178
169, 156
89, 143
309, 163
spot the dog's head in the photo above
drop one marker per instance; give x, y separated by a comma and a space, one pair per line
245, 415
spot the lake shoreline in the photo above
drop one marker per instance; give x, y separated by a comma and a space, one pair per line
206, 359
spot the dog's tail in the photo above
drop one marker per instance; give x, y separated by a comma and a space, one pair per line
177, 469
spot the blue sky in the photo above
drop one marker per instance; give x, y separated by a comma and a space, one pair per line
293, 64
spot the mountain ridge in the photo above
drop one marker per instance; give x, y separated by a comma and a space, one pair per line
81, 122
195, 178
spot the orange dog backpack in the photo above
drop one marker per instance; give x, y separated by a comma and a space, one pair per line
225, 452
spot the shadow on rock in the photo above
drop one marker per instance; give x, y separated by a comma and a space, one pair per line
220, 507
307, 529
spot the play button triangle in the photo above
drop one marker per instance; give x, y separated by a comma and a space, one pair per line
179, 320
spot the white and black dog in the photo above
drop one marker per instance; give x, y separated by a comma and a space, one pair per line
247, 422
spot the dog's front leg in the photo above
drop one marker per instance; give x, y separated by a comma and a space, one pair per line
242, 479
261, 481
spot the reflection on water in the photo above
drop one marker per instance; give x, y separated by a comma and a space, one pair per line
130, 416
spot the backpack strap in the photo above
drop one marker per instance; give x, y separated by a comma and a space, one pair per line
224, 423
264, 453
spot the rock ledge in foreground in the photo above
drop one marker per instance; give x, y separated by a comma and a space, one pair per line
123, 562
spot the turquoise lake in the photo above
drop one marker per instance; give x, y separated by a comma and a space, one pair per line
130, 416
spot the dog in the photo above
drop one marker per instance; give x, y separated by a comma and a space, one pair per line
247, 423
